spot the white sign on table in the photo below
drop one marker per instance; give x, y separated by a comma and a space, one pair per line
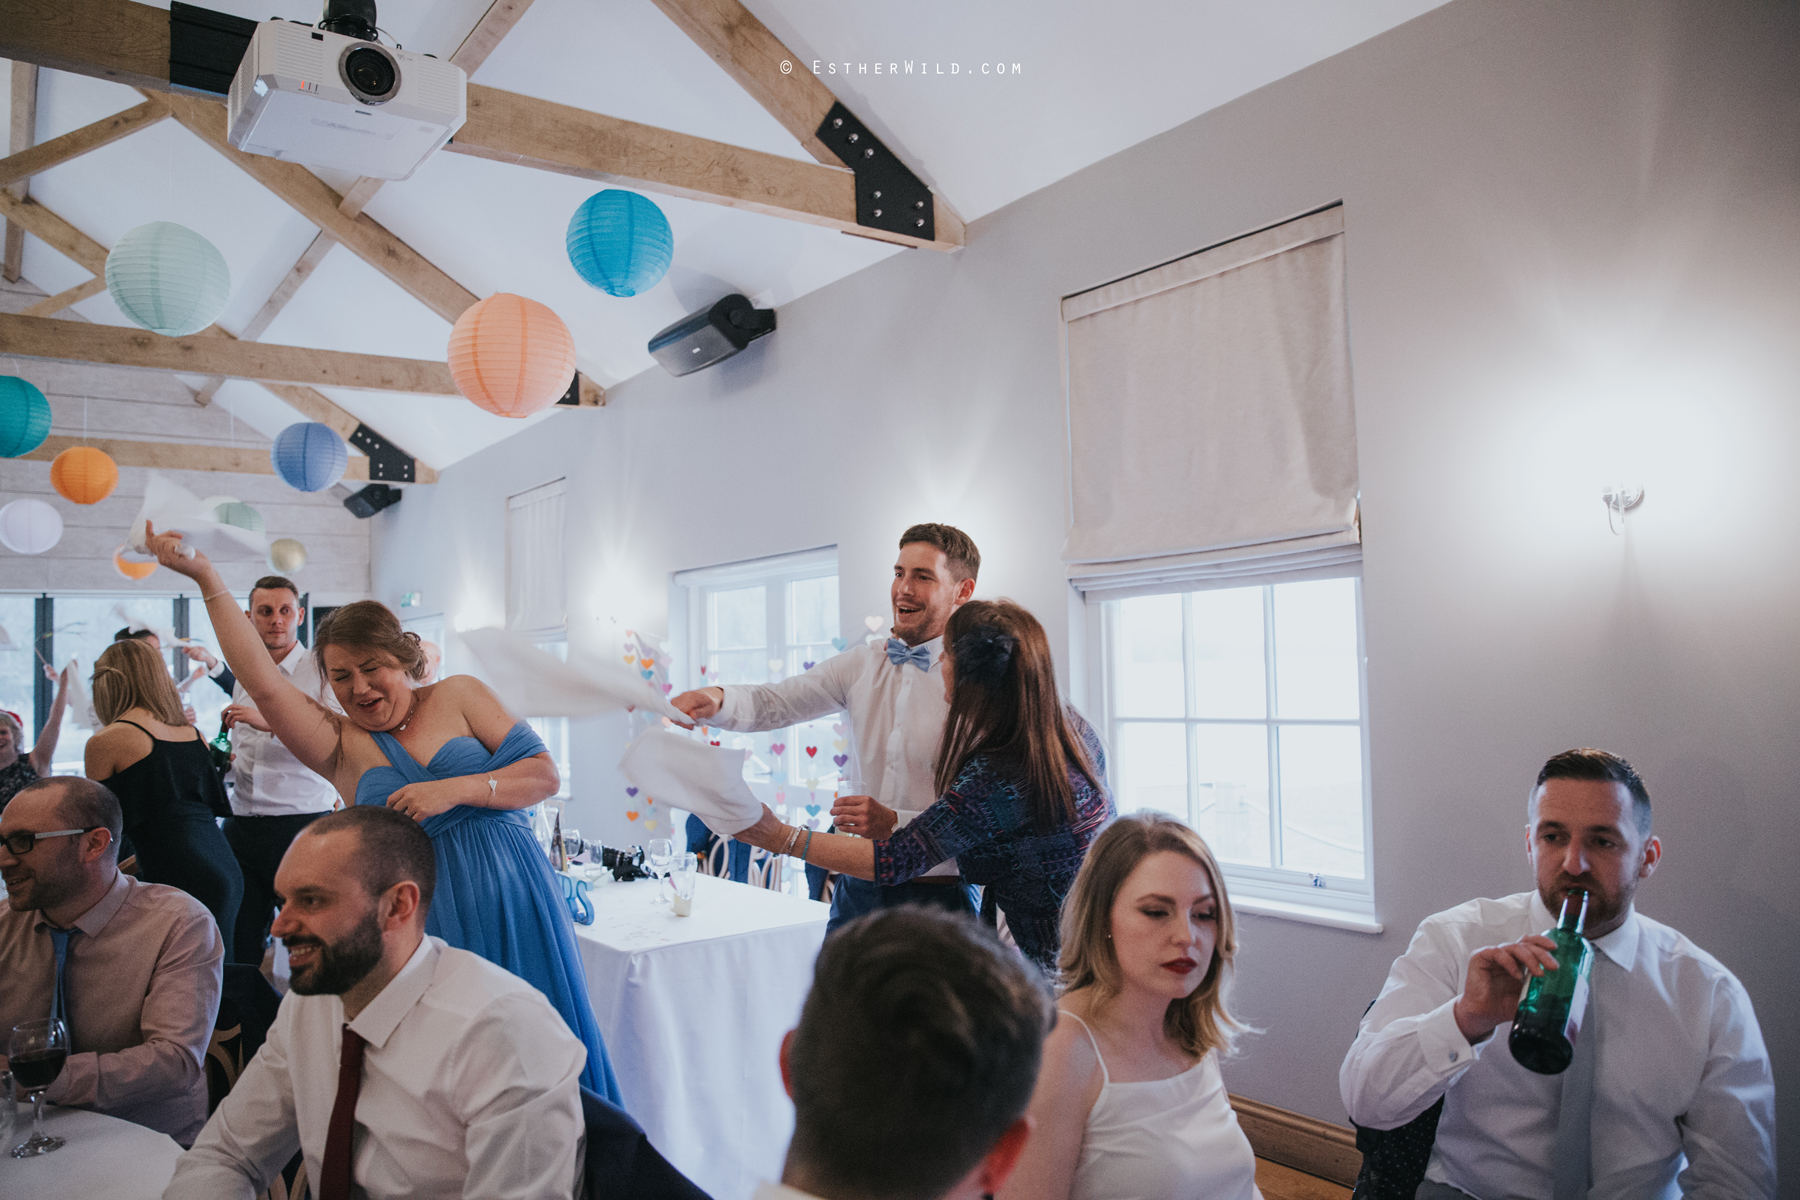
102, 1156
693, 1010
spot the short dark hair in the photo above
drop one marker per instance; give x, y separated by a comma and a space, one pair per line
917, 1049
1604, 767
958, 547
393, 848
274, 583
83, 804
127, 634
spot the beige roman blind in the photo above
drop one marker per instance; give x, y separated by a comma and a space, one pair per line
1212, 438
536, 595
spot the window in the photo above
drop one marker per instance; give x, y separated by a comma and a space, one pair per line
555, 730
1241, 711
536, 598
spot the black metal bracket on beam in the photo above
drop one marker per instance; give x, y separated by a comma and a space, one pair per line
205, 48
387, 462
572, 397
889, 196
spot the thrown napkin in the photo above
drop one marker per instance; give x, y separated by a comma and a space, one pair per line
536, 684
174, 509
682, 773
80, 710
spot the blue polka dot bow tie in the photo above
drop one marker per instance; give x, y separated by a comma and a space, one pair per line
899, 653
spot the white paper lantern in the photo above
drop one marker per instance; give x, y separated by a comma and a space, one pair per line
30, 526
287, 556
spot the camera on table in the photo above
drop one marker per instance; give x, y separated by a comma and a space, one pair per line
625, 865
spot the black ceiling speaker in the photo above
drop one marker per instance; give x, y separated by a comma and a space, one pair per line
350, 18
373, 499
711, 335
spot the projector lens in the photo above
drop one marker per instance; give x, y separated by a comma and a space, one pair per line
370, 73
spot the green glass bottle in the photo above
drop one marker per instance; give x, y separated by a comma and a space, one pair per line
1548, 1022
221, 749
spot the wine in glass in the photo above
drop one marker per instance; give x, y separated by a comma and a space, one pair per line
661, 853
36, 1054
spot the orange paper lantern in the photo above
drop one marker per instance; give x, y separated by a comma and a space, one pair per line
132, 570
84, 475
510, 355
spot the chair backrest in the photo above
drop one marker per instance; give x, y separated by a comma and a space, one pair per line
718, 858
621, 1162
247, 1007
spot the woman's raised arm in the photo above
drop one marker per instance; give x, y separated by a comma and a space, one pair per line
304, 726
44, 749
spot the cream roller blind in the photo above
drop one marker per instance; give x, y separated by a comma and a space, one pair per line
1212, 438
536, 595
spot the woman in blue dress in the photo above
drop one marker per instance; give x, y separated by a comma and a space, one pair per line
447, 754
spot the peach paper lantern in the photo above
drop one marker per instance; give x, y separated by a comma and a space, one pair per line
129, 569
511, 356
84, 475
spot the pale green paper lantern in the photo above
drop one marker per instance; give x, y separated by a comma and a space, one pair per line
236, 512
168, 279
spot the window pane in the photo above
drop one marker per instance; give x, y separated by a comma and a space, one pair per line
1148, 681
19, 666
1229, 671
1315, 649
1231, 802
1322, 799
737, 619
1152, 768
814, 615
737, 666
206, 697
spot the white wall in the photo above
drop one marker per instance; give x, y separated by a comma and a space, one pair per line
1573, 248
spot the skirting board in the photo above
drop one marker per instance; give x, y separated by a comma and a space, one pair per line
1304, 1143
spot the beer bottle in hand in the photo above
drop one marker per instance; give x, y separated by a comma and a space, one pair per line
1548, 1022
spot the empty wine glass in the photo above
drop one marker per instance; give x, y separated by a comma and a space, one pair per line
35, 1055
573, 845
660, 852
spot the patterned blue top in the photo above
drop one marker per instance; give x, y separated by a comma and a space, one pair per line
984, 823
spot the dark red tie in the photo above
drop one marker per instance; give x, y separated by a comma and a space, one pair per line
334, 1172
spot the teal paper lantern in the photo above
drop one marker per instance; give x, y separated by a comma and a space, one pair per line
168, 279
24, 417
236, 512
309, 456
620, 242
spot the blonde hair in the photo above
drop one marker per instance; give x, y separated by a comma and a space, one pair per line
130, 675
1199, 1021
18, 731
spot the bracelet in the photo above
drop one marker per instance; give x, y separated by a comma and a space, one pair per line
216, 595
493, 790
793, 836
807, 849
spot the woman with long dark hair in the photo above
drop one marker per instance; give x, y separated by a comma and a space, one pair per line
447, 754
1021, 783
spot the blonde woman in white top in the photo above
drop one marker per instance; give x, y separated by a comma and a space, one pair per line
1129, 1104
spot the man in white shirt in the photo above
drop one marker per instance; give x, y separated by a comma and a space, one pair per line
274, 796
1676, 1097
397, 1065
895, 697
913, 1063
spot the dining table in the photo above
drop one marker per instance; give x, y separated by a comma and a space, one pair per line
693, 1009
101, 1156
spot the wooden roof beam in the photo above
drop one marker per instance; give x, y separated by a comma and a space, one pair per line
24, 132
24, 163
181, 456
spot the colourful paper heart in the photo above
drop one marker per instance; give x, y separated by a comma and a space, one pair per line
812, 810
667, 688
778, 749
840, 759
646, 662
780, 796
703, 670
874, 624
806, 666
647, 674
811, 751
840, 729
715, 743
631, 791
649, 824
839, 744
630, 814
778, 776
775, 664
629, 657
838, 644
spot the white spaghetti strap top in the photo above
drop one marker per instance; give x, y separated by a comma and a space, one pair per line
1164, 1139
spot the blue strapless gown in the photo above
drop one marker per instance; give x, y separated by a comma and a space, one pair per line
496, 894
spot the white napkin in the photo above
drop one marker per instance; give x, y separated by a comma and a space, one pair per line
682, 773
80, 710
535, 684
174, 509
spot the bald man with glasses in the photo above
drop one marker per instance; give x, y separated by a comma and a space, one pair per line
133, 969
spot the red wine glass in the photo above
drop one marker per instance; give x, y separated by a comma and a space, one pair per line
35, 1055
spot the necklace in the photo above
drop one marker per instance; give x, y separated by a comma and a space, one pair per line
410, 708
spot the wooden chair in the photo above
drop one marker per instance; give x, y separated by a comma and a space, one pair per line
129, 867
717, 861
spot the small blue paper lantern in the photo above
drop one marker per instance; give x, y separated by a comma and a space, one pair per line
168, 279
309, 456
620, 242
24, 417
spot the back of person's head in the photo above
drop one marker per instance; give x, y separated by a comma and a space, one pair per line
391, 849
1198, 1022
128, 634
366, 625
83, 804
917, 1049
1601, 767
1004, 705
128, 675
958, 547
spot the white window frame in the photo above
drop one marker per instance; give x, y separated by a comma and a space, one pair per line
1335, 901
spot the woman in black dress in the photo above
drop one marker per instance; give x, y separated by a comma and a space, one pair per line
162, 772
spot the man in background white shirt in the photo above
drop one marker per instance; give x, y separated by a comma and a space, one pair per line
1682, 1098
894, 695
397, 1065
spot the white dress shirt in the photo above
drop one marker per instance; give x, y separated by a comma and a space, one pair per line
897, 716
1684, 1099
780, 1191
271, 782
470, 1088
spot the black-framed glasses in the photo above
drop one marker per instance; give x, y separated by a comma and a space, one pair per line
18, 844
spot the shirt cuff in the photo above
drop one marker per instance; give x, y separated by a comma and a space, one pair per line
217, 669
727, 716
1447, 1052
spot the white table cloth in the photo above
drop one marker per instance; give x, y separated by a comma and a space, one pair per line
104, 1157
693, 1010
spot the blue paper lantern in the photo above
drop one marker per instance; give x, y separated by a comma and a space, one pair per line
168, 279
309, 456
24, 417
620, 242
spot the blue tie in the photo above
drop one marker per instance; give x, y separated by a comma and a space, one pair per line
59, 998
899, 653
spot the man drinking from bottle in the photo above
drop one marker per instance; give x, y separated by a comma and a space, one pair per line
1669, 1092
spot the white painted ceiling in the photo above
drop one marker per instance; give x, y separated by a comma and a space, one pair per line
1093, 79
